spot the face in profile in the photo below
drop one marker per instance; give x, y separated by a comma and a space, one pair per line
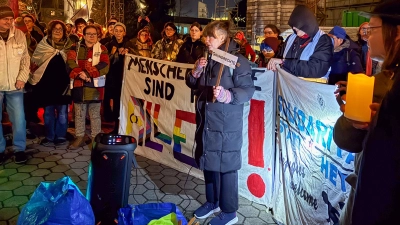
363, 32
375, 39
80, 27
299, 32
239, 36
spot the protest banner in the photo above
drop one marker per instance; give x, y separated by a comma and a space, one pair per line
157, 108
310, 186
302, 179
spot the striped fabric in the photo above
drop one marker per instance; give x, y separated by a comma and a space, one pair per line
84, 64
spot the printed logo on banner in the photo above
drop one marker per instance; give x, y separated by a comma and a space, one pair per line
321, 101
156, 83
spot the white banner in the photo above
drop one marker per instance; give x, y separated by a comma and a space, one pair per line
258, 154
158, 110
310, 186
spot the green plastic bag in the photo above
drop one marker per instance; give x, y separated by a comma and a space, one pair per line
169, 219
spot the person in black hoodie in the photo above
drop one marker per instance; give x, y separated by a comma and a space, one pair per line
193, 48
309, 50
346, 57
117, 48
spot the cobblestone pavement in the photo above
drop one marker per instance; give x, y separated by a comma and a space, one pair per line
152, 182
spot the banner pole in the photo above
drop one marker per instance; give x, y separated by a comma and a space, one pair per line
279, 140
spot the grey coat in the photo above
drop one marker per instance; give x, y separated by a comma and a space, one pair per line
219, 125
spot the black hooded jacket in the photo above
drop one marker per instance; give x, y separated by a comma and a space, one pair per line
319, 62
219, 125
115, 74
190, 51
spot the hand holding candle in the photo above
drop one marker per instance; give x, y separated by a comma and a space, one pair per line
359, 93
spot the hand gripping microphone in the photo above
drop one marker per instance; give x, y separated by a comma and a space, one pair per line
205, 55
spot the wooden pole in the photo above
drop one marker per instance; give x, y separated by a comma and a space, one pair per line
221, 68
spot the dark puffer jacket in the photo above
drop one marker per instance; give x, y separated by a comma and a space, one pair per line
190, 51
345, 59
219, 125
318, 63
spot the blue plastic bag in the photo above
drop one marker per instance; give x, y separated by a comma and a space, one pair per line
144, 213
57, 203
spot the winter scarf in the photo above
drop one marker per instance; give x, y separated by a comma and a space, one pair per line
44, 52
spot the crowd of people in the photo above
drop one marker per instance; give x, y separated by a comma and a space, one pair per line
60, 64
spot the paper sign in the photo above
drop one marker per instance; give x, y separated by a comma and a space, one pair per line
224, 58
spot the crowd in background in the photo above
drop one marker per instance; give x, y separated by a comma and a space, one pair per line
55, 65
309, 52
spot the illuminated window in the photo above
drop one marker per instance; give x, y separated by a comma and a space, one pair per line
185, 30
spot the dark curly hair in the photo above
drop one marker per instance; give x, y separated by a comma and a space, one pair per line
52, 25
274, 28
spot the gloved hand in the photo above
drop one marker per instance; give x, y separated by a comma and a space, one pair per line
222, 95
198, 67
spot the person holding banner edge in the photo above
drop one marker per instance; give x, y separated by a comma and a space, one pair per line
377, 183
307, 52
117, 48
219, 124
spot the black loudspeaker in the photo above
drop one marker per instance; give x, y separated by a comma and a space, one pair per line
109, 175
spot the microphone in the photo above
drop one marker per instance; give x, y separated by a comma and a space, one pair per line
205, 55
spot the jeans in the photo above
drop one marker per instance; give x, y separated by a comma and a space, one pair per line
14, 102
55, 123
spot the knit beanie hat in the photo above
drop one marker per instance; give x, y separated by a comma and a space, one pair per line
339, 32
120, 24
270, 42
6, 11
20, 25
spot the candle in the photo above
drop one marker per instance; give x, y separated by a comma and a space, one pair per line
359, 93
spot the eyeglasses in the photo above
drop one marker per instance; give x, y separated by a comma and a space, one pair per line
91, 34
57, 29
367, 30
